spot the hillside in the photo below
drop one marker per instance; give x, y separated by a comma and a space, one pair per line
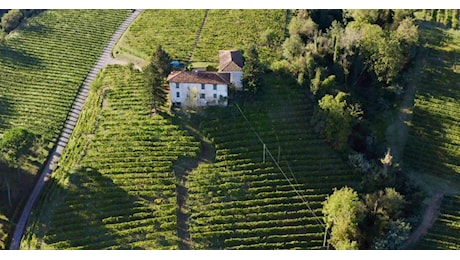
434, 143
114, 188
42, 65
241, 202
443, 235
326, 93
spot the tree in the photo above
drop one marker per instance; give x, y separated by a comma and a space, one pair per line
163, 60
382, 207
303, 26
342, 213
11, 20
455, 19
155, 77
293, 47
251, 71
398, 232
333, 119
14, 146
191, 101
382, 51
268, 37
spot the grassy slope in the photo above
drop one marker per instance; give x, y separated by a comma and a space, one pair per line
239, 202
114, 188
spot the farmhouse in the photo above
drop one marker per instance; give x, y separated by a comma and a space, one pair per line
206, 88
198, 87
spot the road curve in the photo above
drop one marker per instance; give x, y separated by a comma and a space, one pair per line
70, 123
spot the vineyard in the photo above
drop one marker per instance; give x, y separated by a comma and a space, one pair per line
240, 202
434, 138
239, 29
42, 65
175, 30
114, 187
444, 232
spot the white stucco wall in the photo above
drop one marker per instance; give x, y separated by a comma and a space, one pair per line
211, 95
235, 78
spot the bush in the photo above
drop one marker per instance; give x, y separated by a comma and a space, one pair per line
11, 20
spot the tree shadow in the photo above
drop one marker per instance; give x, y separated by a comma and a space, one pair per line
5, 107
90, 215
18, 58
431, 150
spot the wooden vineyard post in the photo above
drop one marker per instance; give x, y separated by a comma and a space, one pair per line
265, 147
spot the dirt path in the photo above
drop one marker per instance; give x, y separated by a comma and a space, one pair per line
198, 35
429, 216
396, 133
182, 170
69, 125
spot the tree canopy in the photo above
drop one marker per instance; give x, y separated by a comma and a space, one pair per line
15, 143
342, 213
155, 77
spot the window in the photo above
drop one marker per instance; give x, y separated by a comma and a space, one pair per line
177, 94
177, 85
202, 86
215, 96
214, 87
202, 95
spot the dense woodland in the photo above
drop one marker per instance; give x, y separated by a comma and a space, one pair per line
348, 70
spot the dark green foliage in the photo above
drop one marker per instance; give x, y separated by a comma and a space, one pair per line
455, 19
333, 120
14, 144
398, 232
11, 20
155, 77
251, 71
325, 17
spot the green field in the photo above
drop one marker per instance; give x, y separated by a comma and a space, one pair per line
239, 202
115, 188
433, 145
444, 234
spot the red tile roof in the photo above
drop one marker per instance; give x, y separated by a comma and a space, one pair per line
201, 77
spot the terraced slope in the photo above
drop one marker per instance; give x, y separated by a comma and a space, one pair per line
179, 30
43, 64
240, 202
433, 145
239, 29
114, 188
175, 30
444, 232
